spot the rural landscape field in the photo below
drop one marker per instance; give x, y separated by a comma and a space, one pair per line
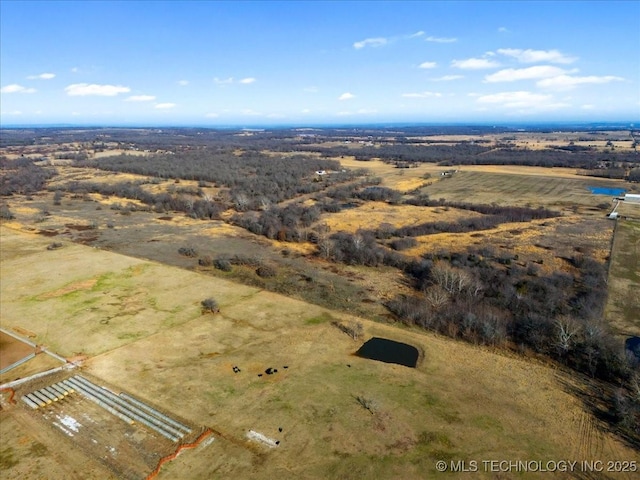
230, 281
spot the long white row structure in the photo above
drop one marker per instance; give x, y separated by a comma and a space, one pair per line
123, 406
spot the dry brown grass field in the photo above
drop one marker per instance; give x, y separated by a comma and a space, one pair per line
461, 402
624, 278
119, 295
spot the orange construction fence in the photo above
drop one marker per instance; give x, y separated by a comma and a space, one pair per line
12, 393
182, 447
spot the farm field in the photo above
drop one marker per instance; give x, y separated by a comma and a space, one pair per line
309, 254
509, 189
624, 279
461, 402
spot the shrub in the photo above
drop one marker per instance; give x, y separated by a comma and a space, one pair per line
188, 251
205, 261
222, 264
403, 243
5, 213
265, 271
210, 305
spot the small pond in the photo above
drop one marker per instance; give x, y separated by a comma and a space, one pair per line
389, 351
632, 345
614, 192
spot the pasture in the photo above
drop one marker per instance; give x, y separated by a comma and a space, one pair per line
624, 278
461, 403
509, 189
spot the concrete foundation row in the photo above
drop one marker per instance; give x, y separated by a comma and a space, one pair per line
123, 406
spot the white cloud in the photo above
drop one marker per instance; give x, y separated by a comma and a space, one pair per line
15, 88
587, 107
84, 89
422, 95
514, 74
12, 113
42, 76
522, 100
250, 112
503, 30
428, 65
346, 96
441, 39
224, 81
361, 111
371, 42
75, 70
212, 115
417, 34
140, 98
567, 82
183, 83
533, 56
248, 80
165, 105
474, 63
311, 89
447, 78
305, 110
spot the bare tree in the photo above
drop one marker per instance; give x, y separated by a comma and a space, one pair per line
567, 330
453, 280
241, 202
436, 296
325, 246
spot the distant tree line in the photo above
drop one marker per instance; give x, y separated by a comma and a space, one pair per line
472, 153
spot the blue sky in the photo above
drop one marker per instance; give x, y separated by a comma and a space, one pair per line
295, 62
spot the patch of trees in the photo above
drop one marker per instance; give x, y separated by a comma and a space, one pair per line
22, 176
280, 223
611, 172
634, 175
203, 208
476, 299
379, 194
360, 248
253, 179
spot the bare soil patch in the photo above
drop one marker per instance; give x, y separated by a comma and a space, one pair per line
12, 350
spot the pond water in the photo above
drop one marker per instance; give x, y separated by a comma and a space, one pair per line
389, 351
632, 344
614, 192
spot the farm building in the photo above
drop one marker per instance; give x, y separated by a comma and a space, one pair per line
632, 198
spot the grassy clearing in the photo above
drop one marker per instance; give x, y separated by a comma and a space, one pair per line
373, 214
624, 279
